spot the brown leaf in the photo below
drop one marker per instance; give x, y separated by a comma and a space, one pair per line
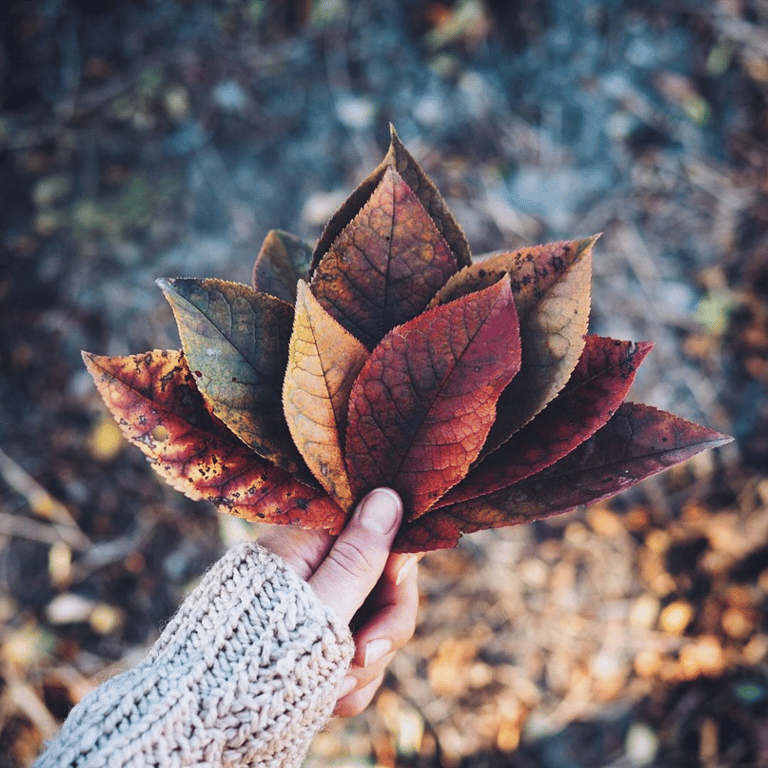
637, 442
425, 399
551, 284
323, 362
154, 400
283, 260
592, 395
386, 265
236, 343
531, 270
399, 159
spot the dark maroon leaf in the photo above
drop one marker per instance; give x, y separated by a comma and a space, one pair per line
596, 389
637, 442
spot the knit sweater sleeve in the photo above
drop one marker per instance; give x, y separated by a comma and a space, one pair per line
245, 674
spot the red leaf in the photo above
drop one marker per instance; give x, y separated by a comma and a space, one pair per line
158, 408
425, 399
385, 266
399, 159
637, 442
596, 389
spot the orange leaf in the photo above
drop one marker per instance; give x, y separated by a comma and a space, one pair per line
385, 266
155, 401
323, 362
425, 399
531, 270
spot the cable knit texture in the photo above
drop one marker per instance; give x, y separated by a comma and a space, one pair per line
245, 674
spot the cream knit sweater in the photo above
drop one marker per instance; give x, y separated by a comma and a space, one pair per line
245, 674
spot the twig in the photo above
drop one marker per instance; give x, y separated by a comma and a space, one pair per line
26, 699
45, 533
41, 502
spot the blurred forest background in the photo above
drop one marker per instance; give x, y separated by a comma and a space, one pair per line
150, 138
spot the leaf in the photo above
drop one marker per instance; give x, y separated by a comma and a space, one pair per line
399, 159
637, 442
155, 401
323, 362
553, 286
386, 265
283, 260
592, 395
236, 342
425, 399
531, 270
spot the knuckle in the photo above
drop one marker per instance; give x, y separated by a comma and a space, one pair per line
350, 556
356, 702
399, 628
349, 709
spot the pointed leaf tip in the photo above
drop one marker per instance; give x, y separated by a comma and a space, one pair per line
284, 259
399, 159
594, 392
637, 442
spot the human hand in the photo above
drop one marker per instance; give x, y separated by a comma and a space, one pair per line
356, 575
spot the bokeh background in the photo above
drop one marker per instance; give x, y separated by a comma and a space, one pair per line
152, 138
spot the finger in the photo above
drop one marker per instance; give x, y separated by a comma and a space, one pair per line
361, 676
399, 564
354, 703
302, 549
394, 608
358, 556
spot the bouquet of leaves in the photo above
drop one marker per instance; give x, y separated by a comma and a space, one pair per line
385, 356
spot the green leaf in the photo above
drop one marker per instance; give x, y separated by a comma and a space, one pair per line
236, 342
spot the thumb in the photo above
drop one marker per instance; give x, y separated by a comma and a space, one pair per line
358, 556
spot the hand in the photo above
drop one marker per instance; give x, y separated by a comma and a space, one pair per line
355, 575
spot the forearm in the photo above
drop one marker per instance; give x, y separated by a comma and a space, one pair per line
245, 674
